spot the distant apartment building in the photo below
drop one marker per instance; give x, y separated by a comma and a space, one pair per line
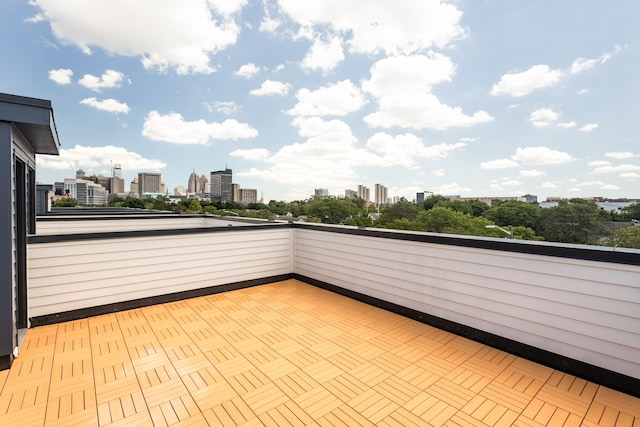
350, 194
149, 183
221, 185
87, 193
248, 195
364, 193
381, 194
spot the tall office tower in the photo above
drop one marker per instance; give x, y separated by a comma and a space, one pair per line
117, 171
220, 185
203, 185
116, 182
381, 194
80, 174
321, 192
133, 187
364, 193
149, 183
235, 190
193, 187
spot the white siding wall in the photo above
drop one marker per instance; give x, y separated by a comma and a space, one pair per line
78, 274
586, 310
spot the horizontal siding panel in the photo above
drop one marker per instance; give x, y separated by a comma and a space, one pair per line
581, 309
72, 275
496, 290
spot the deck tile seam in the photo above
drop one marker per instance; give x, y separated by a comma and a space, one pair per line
195, 343
135, 372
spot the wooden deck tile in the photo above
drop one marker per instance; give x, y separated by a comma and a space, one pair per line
282, 354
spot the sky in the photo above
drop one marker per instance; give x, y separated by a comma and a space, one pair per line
461, 97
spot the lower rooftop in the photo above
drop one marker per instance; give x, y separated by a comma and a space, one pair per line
285, 353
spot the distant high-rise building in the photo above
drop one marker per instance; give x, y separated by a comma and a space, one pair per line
381, 194
422, 196
364, 193
117, 171
221, 188
350, 194
179, 191
133, 187
235, 190
193, 186
248, 195
116, 182
149, 183
86, 192
321, 192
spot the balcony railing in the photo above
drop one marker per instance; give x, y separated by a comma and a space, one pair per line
572, 307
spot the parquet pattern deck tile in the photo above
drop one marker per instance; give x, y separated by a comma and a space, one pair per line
285, 354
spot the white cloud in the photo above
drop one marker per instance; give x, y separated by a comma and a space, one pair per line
177, 35
110, 105
326, 158
584, 64
247, 70
108, 80
173, 128
588, 128
532, 173
403, 26
256, 154
629, 175
498, 164
520, 84
548, 184
61, 76
324, 56
599, 163
617, 169
402, 87
438, 172
224, 107
338, 99
567, 125
269, 25
540, 156
98, 159
599, 184
270, 87
622, 155
405, 149
543, 117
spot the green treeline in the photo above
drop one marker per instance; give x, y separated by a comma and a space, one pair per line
572, 221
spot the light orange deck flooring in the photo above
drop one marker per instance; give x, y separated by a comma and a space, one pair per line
284, 354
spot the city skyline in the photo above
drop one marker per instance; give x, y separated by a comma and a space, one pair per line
463, 98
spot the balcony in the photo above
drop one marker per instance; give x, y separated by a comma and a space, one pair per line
163, 320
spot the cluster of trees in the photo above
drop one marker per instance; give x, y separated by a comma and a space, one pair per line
571, 221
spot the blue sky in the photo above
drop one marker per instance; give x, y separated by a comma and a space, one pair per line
467, 97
